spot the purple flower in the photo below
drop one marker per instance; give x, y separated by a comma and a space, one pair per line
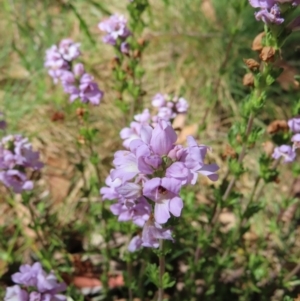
15, 293
78, 70
168, 107
126, 166
181, 105
163, 138
28, 274
89, 90
138, 211
15, 180
69, 50
294, 124
165, 193
296, 141
135, 243
43, 286
262, 3
166, 113
285, 151
110, 193
270, 16
125, 48
159, 100
131, 133
152, 232
116, 28
55, 63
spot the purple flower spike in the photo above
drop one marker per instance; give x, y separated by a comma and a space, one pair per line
285, 151
272, 16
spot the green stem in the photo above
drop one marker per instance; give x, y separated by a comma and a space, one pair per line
161, 272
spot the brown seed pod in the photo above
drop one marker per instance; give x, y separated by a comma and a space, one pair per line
267, 54
248, 80
257, 42
252, 64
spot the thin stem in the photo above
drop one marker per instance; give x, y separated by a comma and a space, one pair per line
129, 276
241, 156
161, 272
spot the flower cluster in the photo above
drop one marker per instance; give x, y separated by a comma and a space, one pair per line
286, 151
271, 10
34, 284
151, 174
16, 156
116, 31
75, 81
168, 108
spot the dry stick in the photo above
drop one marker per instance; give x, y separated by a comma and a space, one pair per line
161, 272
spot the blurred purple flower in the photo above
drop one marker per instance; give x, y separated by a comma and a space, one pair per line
69, 50
138, 211
42, 286
89, 90
294, 124
270, 16
158, 100
262, 3
296, 141
15, 293
285, 151
15, 180
135, 243
152, 232
182, 105
116, 28
125, 48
